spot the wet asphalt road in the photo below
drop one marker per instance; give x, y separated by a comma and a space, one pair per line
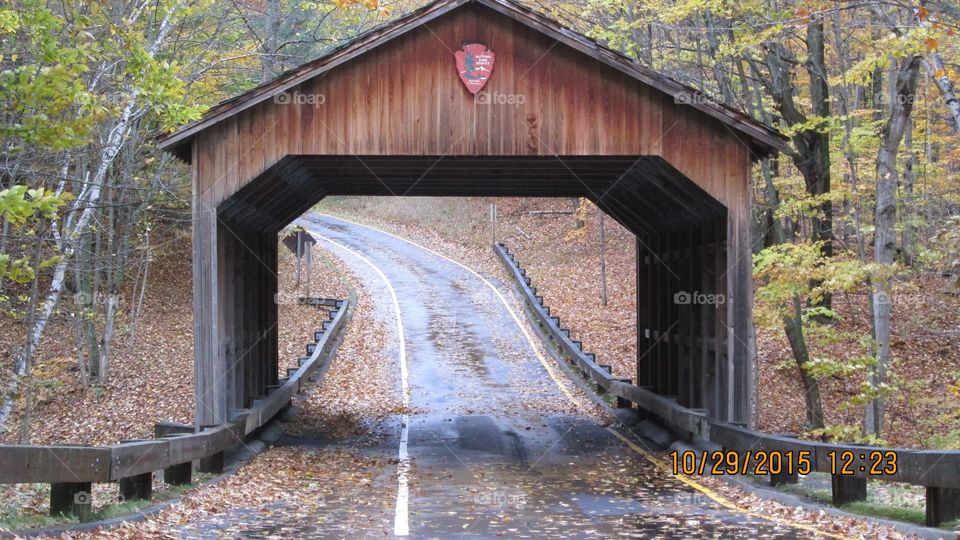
495, 448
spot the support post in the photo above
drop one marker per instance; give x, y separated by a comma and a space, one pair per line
621, 402
784, 478
943, 505
137, 488
739, 274
72, 498
213, 463
180, 473
210, 390
848, 489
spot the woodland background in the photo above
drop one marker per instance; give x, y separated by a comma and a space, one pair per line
857, 237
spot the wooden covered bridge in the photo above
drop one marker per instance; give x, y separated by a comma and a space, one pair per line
481, 98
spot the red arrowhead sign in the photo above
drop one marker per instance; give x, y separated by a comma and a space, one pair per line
474, 64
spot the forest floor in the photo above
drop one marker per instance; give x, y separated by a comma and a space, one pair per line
151, 374
563, 262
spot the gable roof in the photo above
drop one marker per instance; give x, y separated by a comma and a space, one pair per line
763, 139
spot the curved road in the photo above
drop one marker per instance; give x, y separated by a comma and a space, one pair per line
491, 445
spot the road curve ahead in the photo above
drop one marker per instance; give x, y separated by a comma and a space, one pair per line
490, 444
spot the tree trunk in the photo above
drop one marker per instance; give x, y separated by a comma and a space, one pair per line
793, 323
793, 327
25, 418
138, 299
603, 261
577, 220
812, 156
268, 54
885, 218
909, 237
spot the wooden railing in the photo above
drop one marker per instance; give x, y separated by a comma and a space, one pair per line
71, 469
938, 471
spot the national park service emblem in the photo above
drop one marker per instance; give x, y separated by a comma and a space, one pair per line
474, 65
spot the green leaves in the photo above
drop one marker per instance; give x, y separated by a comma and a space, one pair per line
42, 92
21, 204
24, 208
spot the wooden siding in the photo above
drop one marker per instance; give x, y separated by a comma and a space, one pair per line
406, 99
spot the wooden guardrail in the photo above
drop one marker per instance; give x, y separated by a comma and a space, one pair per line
71, 469
938, 471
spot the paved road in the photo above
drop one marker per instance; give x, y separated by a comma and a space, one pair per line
493, 446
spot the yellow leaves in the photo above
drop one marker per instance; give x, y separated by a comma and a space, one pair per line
369, 4
9, 21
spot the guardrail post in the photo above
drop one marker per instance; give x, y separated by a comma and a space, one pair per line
177, 474
136, 487
621, 402
72, 498
784, 477
213, 463
848, 489
139, 487
943, 505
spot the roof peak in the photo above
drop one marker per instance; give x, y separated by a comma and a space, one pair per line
764, 139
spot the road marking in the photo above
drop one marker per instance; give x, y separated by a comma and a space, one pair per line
713, 495
551, 372
401, 518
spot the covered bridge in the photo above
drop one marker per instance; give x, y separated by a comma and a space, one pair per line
481, 98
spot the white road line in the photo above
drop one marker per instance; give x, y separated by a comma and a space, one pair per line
401, 519
543, 361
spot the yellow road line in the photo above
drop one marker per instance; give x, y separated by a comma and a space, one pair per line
713, 495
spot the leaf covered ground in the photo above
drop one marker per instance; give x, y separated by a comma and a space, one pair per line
151, 377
